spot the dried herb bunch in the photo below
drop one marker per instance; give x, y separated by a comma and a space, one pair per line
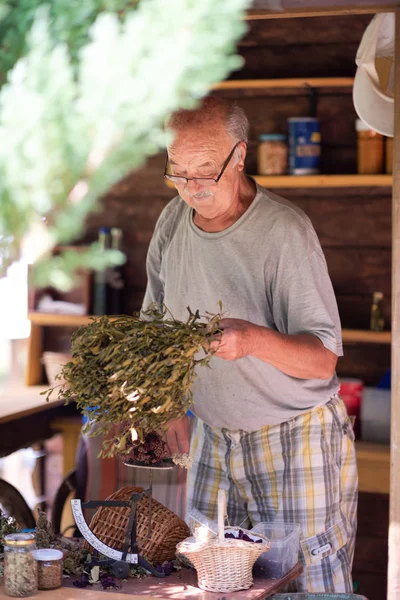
132, 374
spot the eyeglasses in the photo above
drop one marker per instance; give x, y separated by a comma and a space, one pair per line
203, 181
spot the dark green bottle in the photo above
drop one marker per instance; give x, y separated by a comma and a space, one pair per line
115, 277
100, 291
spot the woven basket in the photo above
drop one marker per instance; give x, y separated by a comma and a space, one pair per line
53, 363
167, 529
224, 565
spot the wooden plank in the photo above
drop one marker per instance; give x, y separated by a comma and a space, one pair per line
359, 270
368, 214
312, 9
355, 311
366, 337
332, 181
183, 585
324, 181
373, 461
34, 368
317, 82
373, 515
298, 60
52, 319
394, 527
313, 31
365, 363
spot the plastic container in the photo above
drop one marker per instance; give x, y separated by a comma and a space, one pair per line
201, 527
50, 568
306, 596
304, 146
283, 554
272, 154
20, 567
351, 392
369, 150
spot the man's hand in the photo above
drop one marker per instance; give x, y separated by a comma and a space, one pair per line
178, 435
237, 340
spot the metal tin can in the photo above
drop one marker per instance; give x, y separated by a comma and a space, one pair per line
304, 146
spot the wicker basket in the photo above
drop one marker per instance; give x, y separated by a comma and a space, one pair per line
224, 565
167, 529
53, 363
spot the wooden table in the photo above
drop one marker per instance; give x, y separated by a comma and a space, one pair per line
181, 585
26, 417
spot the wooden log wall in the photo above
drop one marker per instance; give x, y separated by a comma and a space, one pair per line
353, 224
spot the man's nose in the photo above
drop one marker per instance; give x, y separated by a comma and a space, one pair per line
192, 186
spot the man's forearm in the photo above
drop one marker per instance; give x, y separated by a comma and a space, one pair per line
303, 355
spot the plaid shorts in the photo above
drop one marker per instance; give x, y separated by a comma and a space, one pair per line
301, 471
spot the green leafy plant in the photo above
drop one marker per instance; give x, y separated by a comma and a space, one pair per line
89, 86
130, 375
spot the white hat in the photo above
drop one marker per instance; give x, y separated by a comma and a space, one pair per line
373, 92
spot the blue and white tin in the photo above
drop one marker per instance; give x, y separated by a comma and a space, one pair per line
304, 146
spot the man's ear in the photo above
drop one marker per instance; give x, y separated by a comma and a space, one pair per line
240, 155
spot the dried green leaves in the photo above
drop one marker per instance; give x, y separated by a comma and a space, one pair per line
130, 375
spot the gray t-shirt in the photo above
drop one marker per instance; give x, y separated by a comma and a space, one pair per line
267, 268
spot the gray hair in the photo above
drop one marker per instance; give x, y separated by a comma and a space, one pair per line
237, 124
214, 110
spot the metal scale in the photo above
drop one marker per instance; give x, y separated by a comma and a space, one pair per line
119, 561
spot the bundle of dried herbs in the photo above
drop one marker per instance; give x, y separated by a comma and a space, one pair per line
131, 374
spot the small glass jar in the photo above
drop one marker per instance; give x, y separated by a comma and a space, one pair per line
272, 154
20, 566
369, 150
50, 568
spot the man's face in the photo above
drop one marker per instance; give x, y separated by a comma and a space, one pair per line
202, 155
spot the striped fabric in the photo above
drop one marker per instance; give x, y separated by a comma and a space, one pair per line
302, 471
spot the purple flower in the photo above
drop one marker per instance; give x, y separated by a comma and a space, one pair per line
83, 581
107, 582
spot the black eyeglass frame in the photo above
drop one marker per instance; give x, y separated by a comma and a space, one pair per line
185, 180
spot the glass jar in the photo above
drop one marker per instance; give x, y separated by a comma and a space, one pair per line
369, 150
20, 566
50, 568
272, 154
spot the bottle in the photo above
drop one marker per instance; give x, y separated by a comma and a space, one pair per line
115, 277
100, 277
20, 566
369, 150
377, 321
272, 154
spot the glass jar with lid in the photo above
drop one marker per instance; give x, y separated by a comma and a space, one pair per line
50, 568
20, 566
369, 150
272, 154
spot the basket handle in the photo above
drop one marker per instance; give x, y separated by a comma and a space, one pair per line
221, 515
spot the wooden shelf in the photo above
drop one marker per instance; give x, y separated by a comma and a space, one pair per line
315, 82
317, 181
58, 320
322, 181
366, 337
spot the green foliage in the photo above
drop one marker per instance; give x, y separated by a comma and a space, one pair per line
135, 372
7, 525
86, 105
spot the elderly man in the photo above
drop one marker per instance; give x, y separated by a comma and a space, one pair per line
270, 427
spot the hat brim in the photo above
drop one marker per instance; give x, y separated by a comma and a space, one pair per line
375, 109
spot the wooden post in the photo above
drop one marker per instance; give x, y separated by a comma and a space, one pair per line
394, 523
